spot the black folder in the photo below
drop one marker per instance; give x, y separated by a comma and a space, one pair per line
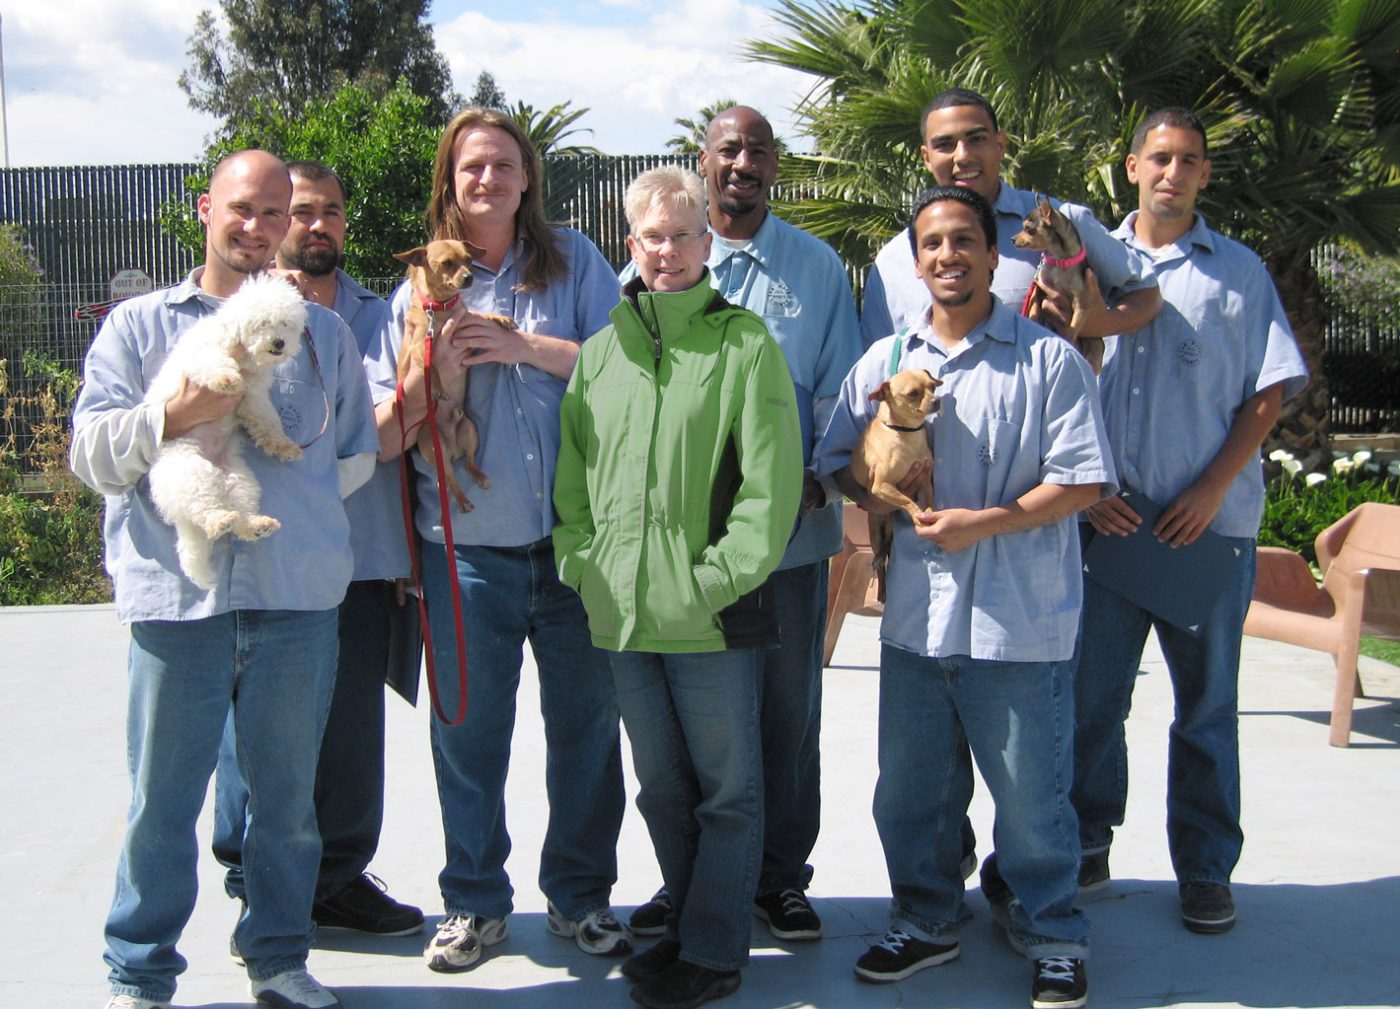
1181, 585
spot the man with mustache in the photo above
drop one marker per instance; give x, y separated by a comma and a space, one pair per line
963, 146
350, 773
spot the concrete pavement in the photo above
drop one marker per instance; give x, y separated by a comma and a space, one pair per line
1318, 889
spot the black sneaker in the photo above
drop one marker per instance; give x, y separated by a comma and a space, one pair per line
1093, 872
1059, 983
1207, 908
789, 914
650, 918
685, 985
898, 955
651, 962
364, 905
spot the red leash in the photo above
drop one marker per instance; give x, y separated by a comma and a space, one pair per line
459, 626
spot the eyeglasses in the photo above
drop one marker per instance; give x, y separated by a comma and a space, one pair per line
654, 242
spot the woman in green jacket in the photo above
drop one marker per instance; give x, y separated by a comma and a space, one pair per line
679, 475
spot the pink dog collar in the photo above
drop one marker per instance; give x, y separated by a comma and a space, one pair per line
1065, 264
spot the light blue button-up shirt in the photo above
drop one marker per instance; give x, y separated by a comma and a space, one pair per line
376, 509
305, 565
895, 297
1172, 390
515, 407
1018, 409
798, 284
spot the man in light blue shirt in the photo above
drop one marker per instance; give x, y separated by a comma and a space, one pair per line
350, 773
982, 605
263, 639
963, 147
557, 287
1188, 401
798, 284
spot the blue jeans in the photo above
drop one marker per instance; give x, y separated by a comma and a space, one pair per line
1203, 763
692, 720
510, 595
350, 772
790, 721
936, 714
276, 668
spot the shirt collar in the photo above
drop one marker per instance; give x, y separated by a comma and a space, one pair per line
189, 290
1199, 235
760, 246
999, 325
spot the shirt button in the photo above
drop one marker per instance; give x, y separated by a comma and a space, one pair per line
519, 412
1142, 350
1137, 392
531, 455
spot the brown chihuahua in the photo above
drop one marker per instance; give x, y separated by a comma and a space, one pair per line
1061, 267
438, 273
890, 445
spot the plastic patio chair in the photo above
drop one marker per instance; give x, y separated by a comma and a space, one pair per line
1360, 594
852, 587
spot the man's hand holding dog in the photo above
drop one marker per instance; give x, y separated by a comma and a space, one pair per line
194, 405
914, 481
1057, 309
485, 341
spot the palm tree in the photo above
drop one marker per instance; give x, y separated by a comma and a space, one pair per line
547, 129
691, 139
1300, 97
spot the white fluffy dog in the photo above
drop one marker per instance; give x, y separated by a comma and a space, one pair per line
199, 481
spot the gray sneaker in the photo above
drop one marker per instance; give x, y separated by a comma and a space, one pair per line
459, 940
598, 932
293, 989
1207, 908
134, 1002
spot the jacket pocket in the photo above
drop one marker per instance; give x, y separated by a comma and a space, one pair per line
751, 621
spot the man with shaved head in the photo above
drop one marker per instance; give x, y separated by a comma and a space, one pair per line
260, 646
798, 285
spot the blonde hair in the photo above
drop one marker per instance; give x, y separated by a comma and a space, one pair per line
544, 263
669, 186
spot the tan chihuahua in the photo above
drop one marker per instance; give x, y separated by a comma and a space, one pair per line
1061, 267
438, 273
890, 445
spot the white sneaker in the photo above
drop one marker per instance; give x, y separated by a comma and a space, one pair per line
293, 989
598, 932
134, 1002
459, 940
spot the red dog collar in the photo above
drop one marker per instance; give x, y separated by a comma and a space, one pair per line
1065, 264
444, 306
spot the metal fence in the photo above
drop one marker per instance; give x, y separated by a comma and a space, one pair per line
87, 223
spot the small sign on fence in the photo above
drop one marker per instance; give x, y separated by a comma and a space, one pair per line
126, 284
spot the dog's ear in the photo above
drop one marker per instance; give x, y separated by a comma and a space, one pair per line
476, 251
936, 382
413, 257
882, 393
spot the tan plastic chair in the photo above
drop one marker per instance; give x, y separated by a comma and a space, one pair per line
852, 587
1360, 594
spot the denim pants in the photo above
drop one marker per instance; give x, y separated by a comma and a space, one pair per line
790, 721
936, 714
510, 595
276, 667
350, 772
692, 720
1203, 761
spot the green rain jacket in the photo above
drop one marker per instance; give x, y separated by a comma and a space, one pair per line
679, 474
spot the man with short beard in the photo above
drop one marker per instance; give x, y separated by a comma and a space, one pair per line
350, 774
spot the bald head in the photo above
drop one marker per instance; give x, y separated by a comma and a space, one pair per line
739, 163
245, 218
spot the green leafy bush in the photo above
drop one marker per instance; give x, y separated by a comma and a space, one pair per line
1298, 506
50, 537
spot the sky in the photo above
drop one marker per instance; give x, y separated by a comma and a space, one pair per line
92, 82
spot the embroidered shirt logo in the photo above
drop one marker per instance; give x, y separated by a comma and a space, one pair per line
781, 300
290, 415
1189, 352
986, 455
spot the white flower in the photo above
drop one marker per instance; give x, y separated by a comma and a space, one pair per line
1280, 455
1313, 479
1361, 455
1292, 466
1342, 465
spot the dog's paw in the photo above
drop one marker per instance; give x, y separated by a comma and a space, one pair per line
228, 381
285, 450
255, 527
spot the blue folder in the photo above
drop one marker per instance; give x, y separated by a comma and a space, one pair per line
1181, 585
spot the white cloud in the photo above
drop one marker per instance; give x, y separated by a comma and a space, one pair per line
92, 82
